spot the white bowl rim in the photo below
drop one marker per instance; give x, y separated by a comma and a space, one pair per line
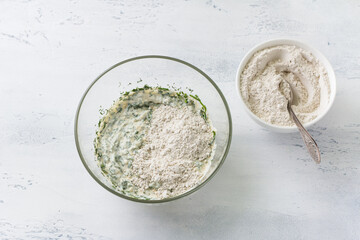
278, 42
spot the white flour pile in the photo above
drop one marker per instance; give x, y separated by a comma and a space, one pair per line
177, 141
260, 79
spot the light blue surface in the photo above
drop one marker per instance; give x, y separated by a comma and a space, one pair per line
268, 187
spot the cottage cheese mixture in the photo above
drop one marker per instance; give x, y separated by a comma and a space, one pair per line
264, 92
155, 143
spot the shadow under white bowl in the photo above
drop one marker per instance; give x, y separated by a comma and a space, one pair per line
277, 42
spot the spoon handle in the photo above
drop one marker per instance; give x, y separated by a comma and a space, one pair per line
308, 140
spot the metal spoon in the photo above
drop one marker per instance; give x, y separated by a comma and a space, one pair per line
308, 140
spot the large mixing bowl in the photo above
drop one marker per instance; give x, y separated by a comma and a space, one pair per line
154, 71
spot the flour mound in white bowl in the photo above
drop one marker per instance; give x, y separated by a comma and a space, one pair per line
308, 78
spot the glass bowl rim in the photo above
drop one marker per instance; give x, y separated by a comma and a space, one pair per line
166, 199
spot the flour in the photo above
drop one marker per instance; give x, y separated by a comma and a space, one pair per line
260, 80
177, 146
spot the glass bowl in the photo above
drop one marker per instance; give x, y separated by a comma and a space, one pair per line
154, 71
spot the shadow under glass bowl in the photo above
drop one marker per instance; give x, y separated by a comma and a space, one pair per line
152, 70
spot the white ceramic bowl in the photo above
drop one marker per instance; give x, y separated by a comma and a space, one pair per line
276, 42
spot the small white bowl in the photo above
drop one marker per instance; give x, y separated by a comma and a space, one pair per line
277, 42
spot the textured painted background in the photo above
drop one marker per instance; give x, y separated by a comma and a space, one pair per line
268, 188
